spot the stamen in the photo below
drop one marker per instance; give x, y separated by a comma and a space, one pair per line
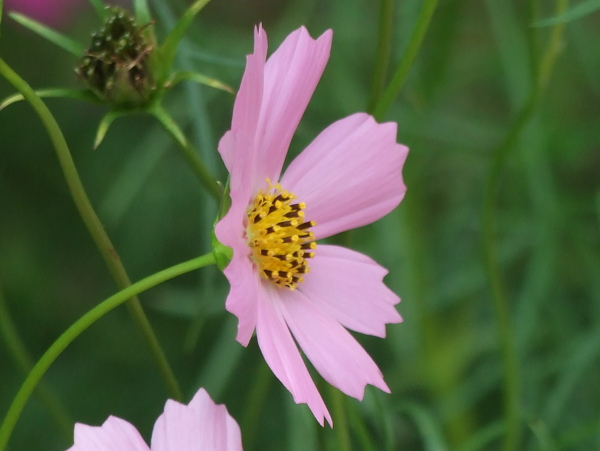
278, 236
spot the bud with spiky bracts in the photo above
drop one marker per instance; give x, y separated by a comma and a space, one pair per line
116, 66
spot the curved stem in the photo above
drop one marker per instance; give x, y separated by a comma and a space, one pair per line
188, 152
414, 44
501, 305
22, 358
81, 325
94, 226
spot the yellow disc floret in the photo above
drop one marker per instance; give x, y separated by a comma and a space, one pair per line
279, 237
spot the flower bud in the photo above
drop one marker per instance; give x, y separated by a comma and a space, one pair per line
116, 66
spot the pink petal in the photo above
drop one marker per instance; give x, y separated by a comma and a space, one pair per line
114, 435
272, 98
350, 175
290, 78
349, 287
249, 97
244, 280
336, 355
199, 426
282, 355
242, 299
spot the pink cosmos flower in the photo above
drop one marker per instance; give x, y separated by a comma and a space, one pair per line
200, 426
349, 176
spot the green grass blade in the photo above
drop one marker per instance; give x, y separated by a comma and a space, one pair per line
169, 47
576, 12
55, 37
77, 94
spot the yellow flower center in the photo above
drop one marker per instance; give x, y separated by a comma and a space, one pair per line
279, 236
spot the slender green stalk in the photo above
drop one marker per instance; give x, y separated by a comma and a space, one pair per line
501, 309
83, 323
340, 419
412, 48
255, 403
94, 226
554, 46
188, 152
384, 47
22, 358
512, 408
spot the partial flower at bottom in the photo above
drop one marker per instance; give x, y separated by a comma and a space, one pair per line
200, 426
283, 285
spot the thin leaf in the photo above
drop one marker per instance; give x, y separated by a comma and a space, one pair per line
55, 37
99, 7
576, 12
77, 94
105, 124
1, 8
169, 47
201, 79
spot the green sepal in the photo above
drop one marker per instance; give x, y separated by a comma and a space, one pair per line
51, 35
105, 124
169, 47
142, 12
199, 78
223, 254
56, 93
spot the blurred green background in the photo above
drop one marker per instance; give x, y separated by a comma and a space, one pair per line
469, 84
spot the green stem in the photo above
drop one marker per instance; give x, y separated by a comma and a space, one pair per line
21, 356
188, 152
340, 419
81, 325
507, 342
255, 403
94, 226
412, 48
384, 47
510, 360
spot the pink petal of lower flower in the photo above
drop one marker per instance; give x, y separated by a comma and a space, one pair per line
350, 175
290, 77
200, 426
336, 355
282, 355
349, 286
114, 435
